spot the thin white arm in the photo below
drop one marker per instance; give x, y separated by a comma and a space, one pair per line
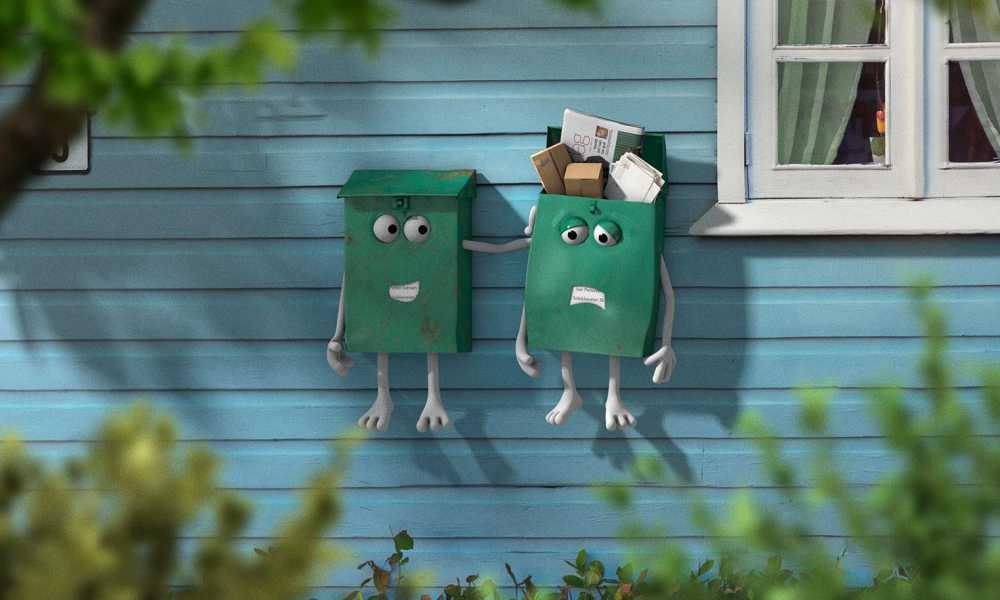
525, 360
530, 229
668, 306
518, 244
338, 332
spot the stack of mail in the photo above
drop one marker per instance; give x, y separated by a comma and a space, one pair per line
634, 180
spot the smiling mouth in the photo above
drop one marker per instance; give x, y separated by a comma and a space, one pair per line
406, 292
587, 295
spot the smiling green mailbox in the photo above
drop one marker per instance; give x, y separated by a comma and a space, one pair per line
407, 282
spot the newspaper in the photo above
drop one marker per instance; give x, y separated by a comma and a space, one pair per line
634, 180
588, 136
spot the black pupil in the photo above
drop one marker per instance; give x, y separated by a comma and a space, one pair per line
392, 228
603, 238
571, 235
422, 229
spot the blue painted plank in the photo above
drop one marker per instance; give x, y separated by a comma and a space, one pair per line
495, 55
495, 414
440, 108
321, 161
500, 210
510, 512
290, 314
230, 15
445, 108
316, 263
715, 463
243, 365
447, 560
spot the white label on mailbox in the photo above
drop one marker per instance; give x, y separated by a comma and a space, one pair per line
404, 293
587, 295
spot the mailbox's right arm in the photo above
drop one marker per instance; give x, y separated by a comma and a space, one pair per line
335, 355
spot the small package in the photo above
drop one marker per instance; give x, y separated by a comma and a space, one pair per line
585, 179
551, 165
634, 180
588, 136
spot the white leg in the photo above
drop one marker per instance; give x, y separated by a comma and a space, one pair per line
616, 416
434, 415
570, 400
378, 415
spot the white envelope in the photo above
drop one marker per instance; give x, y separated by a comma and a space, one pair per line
634, 180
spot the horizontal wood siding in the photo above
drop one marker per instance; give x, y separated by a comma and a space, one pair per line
206, 281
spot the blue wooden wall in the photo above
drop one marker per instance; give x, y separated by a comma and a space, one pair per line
207, 282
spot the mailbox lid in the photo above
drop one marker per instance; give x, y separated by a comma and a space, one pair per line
459, 184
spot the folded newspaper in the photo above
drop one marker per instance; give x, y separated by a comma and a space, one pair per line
634, 180
588, 136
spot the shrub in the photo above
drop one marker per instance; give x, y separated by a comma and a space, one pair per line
111, 525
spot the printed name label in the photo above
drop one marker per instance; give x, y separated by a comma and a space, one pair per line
587, 295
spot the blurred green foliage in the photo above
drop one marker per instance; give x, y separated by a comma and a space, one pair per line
925, 527
118, 524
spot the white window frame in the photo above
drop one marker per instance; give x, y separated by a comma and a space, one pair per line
947, 179
842, 210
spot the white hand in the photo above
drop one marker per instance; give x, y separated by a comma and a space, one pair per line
665, 361
528, 364
338, 360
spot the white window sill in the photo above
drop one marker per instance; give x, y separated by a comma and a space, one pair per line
939, 216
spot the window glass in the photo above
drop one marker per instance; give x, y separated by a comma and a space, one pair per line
831, 113
802, 22
974, 21
973, 111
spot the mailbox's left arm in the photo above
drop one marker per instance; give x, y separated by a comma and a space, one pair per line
507, 247
664, 358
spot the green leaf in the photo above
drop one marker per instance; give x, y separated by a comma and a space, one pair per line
581, 559
573, 580
402, 541
705, 567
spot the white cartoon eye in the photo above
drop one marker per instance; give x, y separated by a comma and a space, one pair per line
386, 229
607, 233
573, 230
417, 229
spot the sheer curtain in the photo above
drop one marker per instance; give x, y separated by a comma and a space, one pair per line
815, 100
982, 78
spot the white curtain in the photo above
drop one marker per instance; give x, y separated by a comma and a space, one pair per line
982, 78
816, 99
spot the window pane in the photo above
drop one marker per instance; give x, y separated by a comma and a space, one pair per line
973, 111
973, 22
803, 22
831, 113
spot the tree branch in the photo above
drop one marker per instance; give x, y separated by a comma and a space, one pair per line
36, 124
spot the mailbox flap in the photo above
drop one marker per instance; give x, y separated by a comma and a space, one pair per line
409, 183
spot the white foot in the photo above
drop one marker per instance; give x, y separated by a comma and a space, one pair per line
377, 416
433, 417
567, 405
616, 416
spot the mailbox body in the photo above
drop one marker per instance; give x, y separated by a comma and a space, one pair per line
618, 315
438, 318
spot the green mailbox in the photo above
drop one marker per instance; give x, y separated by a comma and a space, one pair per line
593, 280
407, 277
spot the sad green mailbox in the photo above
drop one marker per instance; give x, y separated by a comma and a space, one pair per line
595, 274
407, 278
